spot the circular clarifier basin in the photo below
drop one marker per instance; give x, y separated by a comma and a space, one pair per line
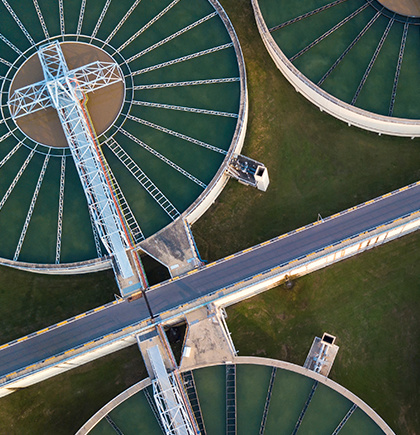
356, 59
276, 399
167, 130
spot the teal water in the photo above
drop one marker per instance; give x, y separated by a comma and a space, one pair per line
132, 417
319, 59
289, 395
103, 428
136, 416
77, 237
211, 388
360, 423
382, 75
345, 79
43, 228
409, 84
251, 393
325, 412
375, 95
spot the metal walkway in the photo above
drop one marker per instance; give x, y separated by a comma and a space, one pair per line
230, 399
113, 425
267, 400
153, 407
398, 69
306, 15
329, 32
305, 408
190, 388
372, 61
344, 420
350, 46
169, 401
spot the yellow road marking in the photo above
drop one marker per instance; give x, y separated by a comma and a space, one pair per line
42, 330
99, 308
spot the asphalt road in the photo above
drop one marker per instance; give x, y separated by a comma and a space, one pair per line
208, 280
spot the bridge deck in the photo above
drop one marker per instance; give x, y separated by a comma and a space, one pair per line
208, 280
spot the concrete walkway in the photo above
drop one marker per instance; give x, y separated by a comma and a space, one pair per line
208, 340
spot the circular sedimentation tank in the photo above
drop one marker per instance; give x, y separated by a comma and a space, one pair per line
356, 59
298, 399
167, 130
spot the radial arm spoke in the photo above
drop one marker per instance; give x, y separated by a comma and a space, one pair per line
41, 19
184, 109
308, 14
123, 20
146, 26
81, 16
171, 37
60, 209
143, 179
329, 32
18, 22
183, 58
176, 134
187, 83
10, 153
398, 69
372, 61
62, 21
346, 51
17, 177
100, 19
163, 158
5, 62
31, 207
10, 44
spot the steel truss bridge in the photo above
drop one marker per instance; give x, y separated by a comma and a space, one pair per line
65, 91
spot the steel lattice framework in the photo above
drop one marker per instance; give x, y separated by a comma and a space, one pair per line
168, 398
65, 91
89, 78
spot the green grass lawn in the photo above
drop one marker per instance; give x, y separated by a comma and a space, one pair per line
29, 302
316, 165
371, 304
